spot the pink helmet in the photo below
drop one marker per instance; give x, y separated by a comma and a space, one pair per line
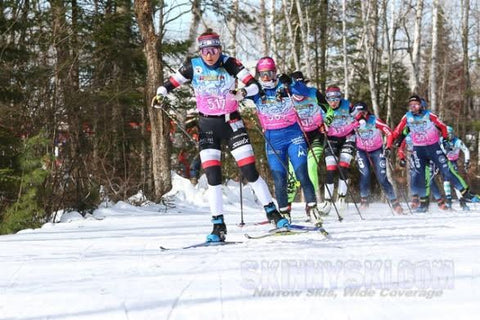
266, 64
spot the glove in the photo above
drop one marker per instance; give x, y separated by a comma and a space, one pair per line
284, 79
159, 101
238, 94
328, 119
362, 123
160, 98
360, 116
446, 146
403, 163
467, 165
387, 152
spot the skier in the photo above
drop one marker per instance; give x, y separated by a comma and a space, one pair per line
371, 152
452, 148
406, 146
213, 76
424, 128
283, 135
313, 111
340, 147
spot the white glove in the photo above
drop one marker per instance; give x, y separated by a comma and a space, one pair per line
162, 91
362, 123
238, 94
159, 99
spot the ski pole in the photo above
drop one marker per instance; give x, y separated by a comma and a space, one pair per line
166, 104
404, 196
242, 223
342, 175
373, 169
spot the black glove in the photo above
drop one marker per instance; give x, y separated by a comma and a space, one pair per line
285, 79
403, 163
159, 101
446, 146
387, 152
467, 165
238, 94
329, 119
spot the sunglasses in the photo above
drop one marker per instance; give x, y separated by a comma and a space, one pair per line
333, 99
210, 50
413, 105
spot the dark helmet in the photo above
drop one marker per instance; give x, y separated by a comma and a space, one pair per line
297, 76
360, 106
415, 98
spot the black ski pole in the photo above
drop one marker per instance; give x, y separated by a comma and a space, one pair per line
342, 175
242, 223
373, 169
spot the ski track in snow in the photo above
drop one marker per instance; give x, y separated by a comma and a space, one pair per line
113, 268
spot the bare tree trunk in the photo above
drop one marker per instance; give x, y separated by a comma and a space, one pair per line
346, 85
415, 53
272, 30
391, 45
433, 58
323, 43
263, 27
369, 15
305, 45
467, 97
233, 26
288, 21
161, 165
194, 24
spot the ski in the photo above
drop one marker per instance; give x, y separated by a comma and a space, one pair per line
312, 229
203, 244
275, 232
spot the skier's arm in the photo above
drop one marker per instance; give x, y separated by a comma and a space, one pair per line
236, 69
399, 128
183, 75
401, 150
464, 148
382, 126
440, 125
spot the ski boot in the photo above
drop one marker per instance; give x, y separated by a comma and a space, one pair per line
324, 208
219, 229
363, 203
423, 207
285, 212
312, 211
274, 216
397, 208
463, 205
448, 202
470, 197
415, 202
341, 203
442, 204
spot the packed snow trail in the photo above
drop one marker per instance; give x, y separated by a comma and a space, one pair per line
422, 266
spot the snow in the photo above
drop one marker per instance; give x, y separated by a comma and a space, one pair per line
109, 265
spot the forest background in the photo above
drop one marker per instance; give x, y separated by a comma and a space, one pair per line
77, 78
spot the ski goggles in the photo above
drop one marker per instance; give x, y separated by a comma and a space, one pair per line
209, 50
333, 96
414, 104
268, 73
333, 99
